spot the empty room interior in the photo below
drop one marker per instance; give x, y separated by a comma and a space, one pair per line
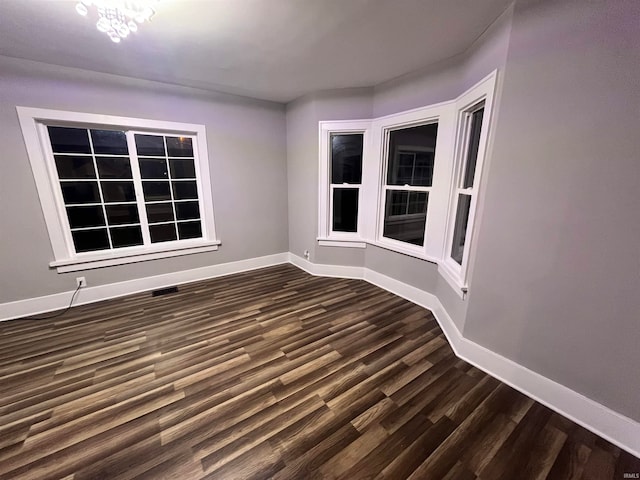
333, 239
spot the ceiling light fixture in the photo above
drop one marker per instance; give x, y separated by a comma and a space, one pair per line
118, 18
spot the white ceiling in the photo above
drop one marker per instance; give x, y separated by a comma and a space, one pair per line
269, 49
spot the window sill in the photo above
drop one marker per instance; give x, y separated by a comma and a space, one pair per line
92, 261
331, 242
453, 280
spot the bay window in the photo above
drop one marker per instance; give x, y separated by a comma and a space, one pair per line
408, 182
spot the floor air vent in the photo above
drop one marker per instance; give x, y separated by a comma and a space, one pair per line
164, 291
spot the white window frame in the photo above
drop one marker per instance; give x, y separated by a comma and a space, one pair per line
34, 121
454, 273
435, 225
326, 235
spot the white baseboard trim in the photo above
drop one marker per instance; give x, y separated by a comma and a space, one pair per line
49, 303
610, 425
319, 270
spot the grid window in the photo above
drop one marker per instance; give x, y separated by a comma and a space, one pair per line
116, 198
94, 172
169, 184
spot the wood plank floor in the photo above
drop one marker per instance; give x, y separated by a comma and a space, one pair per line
270, 374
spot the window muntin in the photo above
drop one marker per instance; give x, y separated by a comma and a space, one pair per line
346, 150
408, 182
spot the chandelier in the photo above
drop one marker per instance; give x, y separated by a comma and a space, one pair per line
118, 18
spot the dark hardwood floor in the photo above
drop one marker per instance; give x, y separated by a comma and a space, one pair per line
270, 374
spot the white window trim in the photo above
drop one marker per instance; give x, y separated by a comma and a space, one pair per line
456, 274
442, 203
326, 235
441, 113
33, 124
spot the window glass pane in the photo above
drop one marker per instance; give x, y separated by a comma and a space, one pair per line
89, 240
402, 169
423, 169
405, 216
150, 145
69, 140
114, 167
345, 209
153, 168
154, 191
182, 168
417, 203
187, 210
74, 167
109, 142
346, 158
179, 147
163, 233
82, 217
397, 202
122, 214
460, 228
80, 192
189, 230
184, 190
126, 236
118, 192
411, 155
159, 212
472, 151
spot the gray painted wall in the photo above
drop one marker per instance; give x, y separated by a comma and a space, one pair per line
247, 149
410, 270
448, 79
557, 274
303, 116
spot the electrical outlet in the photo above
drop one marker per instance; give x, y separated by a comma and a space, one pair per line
81, 282
306, 254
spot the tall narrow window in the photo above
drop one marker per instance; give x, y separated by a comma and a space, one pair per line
346, 179
409, 178
466, 186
